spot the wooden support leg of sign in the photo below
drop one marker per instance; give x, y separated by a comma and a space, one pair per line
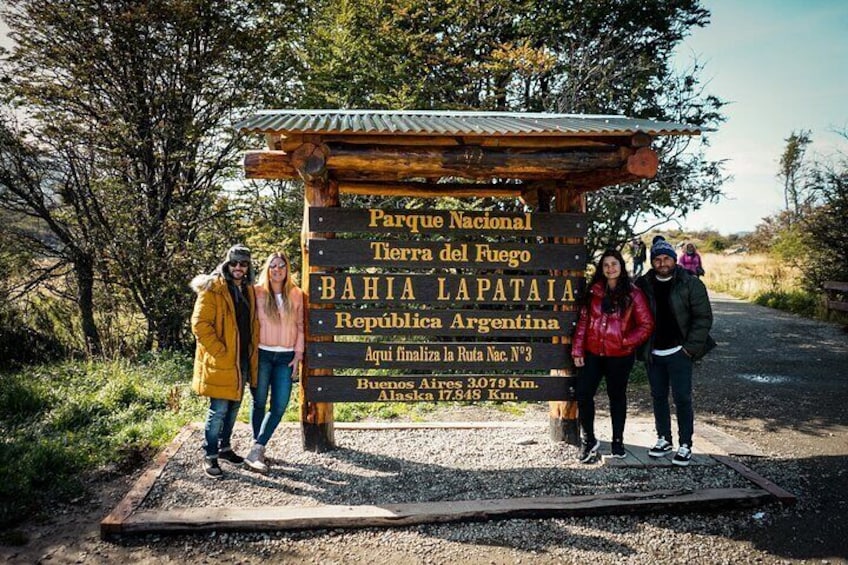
563, 414
316, 417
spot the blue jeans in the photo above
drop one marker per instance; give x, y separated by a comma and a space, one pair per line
674, 371
274, 374
221, 418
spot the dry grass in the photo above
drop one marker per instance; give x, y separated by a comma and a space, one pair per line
748, 275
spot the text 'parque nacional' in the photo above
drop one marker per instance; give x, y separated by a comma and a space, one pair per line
457, 220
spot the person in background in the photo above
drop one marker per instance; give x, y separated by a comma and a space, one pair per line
639, 253
279, 304
682, 321
691, 261
227, 330
614, 320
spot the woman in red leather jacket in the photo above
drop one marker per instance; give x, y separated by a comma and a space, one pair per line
614, 320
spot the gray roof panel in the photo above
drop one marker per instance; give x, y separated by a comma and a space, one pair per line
450, 122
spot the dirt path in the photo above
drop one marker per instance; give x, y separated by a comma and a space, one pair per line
777, 381
780, 382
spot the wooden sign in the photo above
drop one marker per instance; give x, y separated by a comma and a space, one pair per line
429, 254
433, 388
468, 356
446, 290
478, 323
376, 220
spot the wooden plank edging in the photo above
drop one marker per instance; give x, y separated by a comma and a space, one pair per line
113, 523
784, 497
184, 520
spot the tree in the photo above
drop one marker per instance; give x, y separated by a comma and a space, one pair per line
793, 173
608, 57
151, 90
826, 225
41, 193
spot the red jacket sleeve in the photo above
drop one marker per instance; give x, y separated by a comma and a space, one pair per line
578, 341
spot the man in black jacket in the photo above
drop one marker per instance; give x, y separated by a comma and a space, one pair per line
683, 318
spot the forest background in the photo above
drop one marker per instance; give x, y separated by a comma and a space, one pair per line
120, 175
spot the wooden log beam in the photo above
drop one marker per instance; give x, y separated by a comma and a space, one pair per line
310, 161
472, 161
586, 169
316, 417
563, 423
269, 165
431, 190
643, 163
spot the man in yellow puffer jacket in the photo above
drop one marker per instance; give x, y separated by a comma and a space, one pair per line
225, 324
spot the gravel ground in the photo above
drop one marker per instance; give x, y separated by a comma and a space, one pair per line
423, 465
776, 381
389, 466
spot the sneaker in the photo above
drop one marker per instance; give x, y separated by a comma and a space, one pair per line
589, 451
661, 449
683, 456
228, 455
617, 450
211, 467
255, 460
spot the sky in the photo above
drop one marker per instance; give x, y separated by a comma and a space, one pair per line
783, 66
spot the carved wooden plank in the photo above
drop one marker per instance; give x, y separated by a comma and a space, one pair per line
479, 323
454, 254
468, 356
393, 515
446, 290
439, 388
378, 220
837, 305
835, 285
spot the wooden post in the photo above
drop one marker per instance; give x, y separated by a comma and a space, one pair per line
316, 418
563, 424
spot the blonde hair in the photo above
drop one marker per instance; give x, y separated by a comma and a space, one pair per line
270, 302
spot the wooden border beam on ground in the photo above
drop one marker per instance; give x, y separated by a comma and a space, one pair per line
195, 520
113, 523
784, 497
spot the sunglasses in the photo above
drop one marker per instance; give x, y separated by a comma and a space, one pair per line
242, 264
277, 265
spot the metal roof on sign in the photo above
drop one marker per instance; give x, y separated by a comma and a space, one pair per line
449, 122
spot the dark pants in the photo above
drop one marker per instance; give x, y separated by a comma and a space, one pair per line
617, 372
673, 371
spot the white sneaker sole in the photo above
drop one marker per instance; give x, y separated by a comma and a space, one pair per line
256, 467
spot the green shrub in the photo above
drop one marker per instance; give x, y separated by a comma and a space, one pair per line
21, 344
796, 301
21, 401
113, 413
35, 471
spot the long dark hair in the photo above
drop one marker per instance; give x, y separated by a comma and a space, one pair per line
617, 298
